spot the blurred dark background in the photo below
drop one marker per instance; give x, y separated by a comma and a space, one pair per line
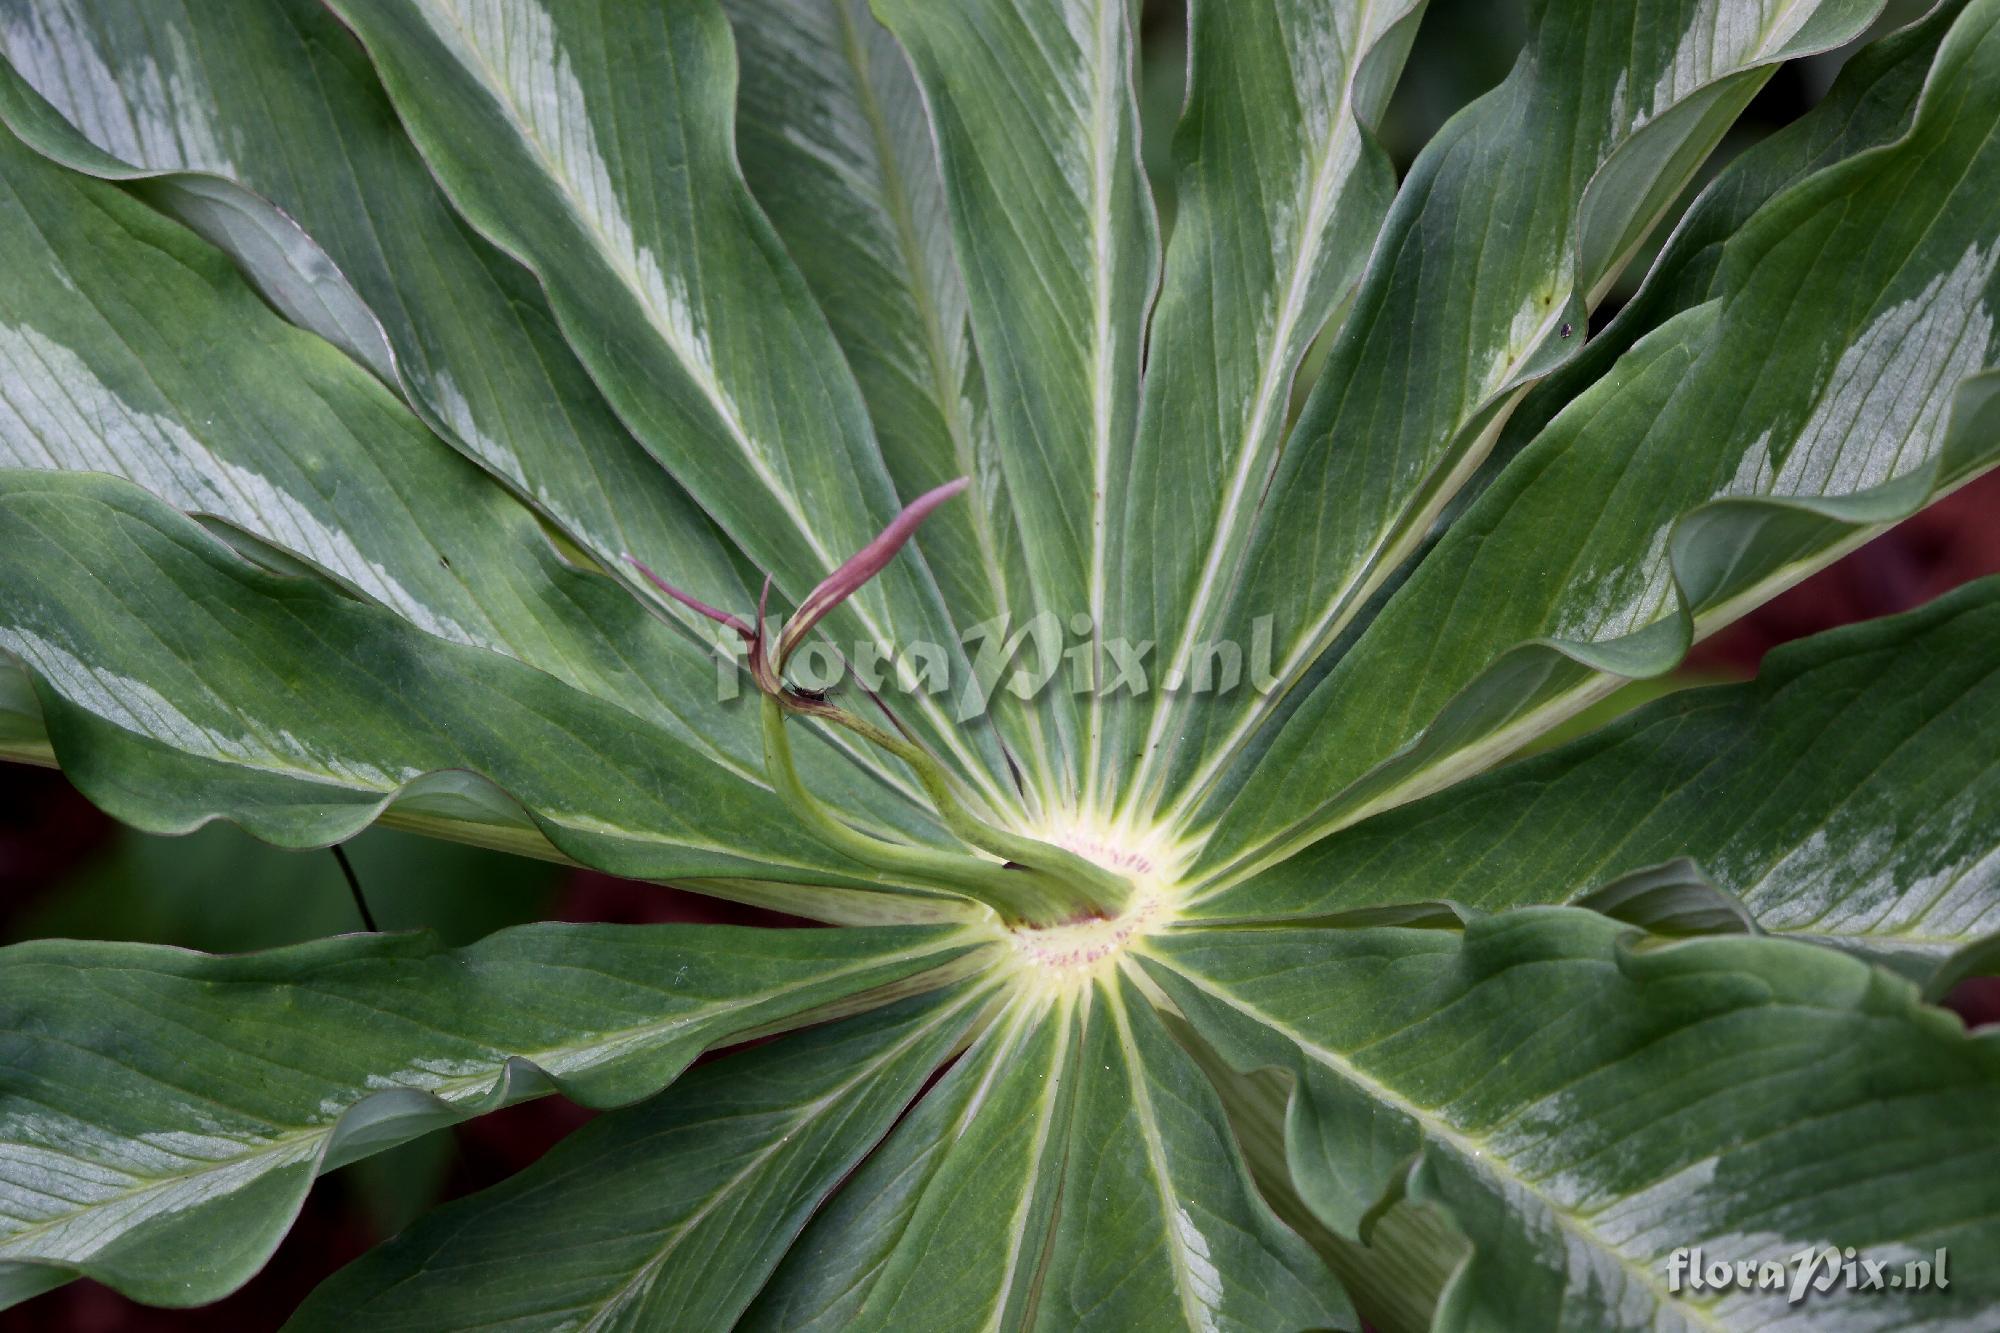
67, 871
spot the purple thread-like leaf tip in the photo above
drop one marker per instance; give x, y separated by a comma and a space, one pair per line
863, 565
693, 604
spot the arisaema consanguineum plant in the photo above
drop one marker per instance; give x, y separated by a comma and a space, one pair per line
510, 420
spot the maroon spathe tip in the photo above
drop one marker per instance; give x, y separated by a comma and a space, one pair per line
863, 565
834, 589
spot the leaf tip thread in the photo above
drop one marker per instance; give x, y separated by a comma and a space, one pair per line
693, 603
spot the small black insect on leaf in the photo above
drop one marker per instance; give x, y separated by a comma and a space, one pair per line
1568, 328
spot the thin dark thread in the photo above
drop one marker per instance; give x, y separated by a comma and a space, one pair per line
354, 887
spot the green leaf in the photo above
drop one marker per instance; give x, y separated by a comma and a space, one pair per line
1072, 1171
602, 154
1872, 102
55, 52
838, 150
134, 349
1412, 1252
1582, 1103
252, 120
131, 347
1280, 188
1057, 234
162, 1113
1831, 385
1672, 899
669, 1214
1153, 1175
1844, 798
21, 732
1510, 225
180, 684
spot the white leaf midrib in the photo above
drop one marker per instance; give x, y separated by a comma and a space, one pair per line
798, 1117
1197, 1314
950, 402
1045, 1131
689, 359
1278, 368
1110, 21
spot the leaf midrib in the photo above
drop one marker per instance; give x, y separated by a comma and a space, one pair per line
949, 400
713, 392
1102, 131
1398, 539
1193, 1310
1278, 369
800, 1116
1045, 1132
